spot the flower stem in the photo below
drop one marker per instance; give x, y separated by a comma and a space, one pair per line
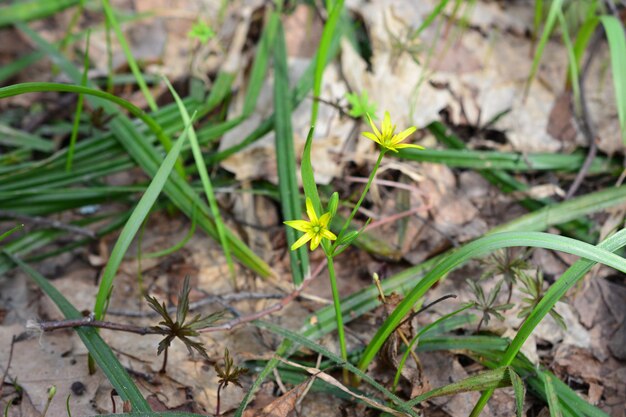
358, 204
338, 316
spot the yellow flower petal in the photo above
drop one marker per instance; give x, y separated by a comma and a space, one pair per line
301, 241
371, 136
301, 225
403, 135
310, 211
374, 129
328, 234
315, 241
324, 220
386, 126
408, 145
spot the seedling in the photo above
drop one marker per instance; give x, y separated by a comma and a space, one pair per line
487, 305
201, 31
229, 374
505, 263
533, 287
179, 328
360, 105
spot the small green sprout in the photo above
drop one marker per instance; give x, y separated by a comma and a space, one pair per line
533, 287
487, 305
201, 31
52, 391
360, 105
506, 263
229, 374
180, 328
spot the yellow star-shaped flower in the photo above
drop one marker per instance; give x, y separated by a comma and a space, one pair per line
387, 138
314, 230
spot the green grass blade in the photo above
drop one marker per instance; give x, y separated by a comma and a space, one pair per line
133, 224
24, 140
571, 61
477, 248
308, 177
286, 159
565, 211
259, 67
430, 18
555, 7
424, 330
19, 64
177, 246
24, 11
206, 182
10, 232
553, 401
322, 55
265, 372
110, 16
537, 18
79, 109
483, 160
519, 391
496, 378
99, 350
583, 37
552, 295
617, 47
301, 340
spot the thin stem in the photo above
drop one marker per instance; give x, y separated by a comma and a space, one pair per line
338, 316
358, 204
162, 370
217, 408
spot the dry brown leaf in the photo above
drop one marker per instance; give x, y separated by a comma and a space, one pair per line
283, 405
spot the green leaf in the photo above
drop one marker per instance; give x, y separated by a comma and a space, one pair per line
286, 159
572, 63
617, 46
110, 16
10, 232
79, 108
553, 401
23, 11
555, 7
519, 390
308, 178
496, 378
133, 224
323, 54
206, 182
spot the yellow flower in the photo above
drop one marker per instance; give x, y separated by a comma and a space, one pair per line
387, 139
314, 230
